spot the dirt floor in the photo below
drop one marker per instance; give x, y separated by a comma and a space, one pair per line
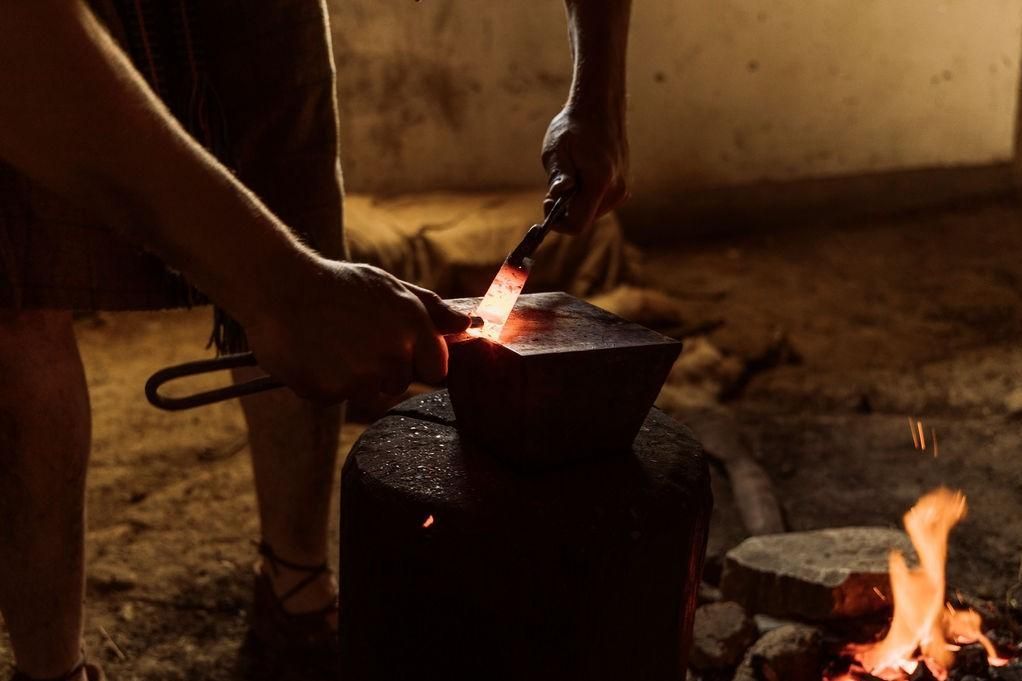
918, 317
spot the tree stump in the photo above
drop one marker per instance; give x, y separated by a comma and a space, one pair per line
456, 566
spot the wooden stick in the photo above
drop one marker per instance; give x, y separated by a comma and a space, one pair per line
113, 644
750, 484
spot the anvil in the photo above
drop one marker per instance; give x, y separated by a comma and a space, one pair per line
567, 381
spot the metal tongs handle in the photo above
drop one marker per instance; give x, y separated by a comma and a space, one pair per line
534, 237
205, 366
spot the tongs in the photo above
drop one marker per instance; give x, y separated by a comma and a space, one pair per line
207, 366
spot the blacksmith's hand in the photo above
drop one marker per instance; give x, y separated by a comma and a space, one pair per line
585, 154
349, 330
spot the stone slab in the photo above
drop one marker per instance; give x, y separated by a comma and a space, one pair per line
817, 575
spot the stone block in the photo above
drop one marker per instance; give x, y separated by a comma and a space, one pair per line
817, 575
721, 634
793, 652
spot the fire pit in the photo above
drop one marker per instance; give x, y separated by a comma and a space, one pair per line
927, 632
830, 609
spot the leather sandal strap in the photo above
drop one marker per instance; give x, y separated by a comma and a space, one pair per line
315, 571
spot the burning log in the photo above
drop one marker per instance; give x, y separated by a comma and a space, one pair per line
583, 572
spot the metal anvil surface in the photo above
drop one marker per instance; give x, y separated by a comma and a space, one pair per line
567, 381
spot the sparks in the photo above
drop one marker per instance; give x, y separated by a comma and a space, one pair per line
912, 429
922, 435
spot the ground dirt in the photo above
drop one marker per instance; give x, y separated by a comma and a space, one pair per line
918, 317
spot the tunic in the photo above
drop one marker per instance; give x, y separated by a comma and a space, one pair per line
251, 80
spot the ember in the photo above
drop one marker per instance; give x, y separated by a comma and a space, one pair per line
428, 522
924, 629
919, 436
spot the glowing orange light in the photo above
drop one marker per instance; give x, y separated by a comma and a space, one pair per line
924, 629
500, 299
429, 521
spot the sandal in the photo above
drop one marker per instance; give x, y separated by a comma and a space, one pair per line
92, 673
282, 631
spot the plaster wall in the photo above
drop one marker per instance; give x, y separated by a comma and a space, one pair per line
458, 93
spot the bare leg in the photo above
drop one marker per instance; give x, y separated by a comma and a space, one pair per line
44, 448
294, 453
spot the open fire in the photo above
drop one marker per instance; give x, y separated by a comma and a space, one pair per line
925, 629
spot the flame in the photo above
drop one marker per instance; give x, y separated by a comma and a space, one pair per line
924, 629
428, 522
500, 299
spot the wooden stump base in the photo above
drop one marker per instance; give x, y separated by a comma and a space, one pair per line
455, 566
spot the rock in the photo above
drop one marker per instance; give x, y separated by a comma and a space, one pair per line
106, 578
720, 636
819, 575
789, 653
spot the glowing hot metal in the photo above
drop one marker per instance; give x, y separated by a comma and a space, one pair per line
500, 298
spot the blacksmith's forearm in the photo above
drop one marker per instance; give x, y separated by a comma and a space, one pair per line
76, 116
598, 31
